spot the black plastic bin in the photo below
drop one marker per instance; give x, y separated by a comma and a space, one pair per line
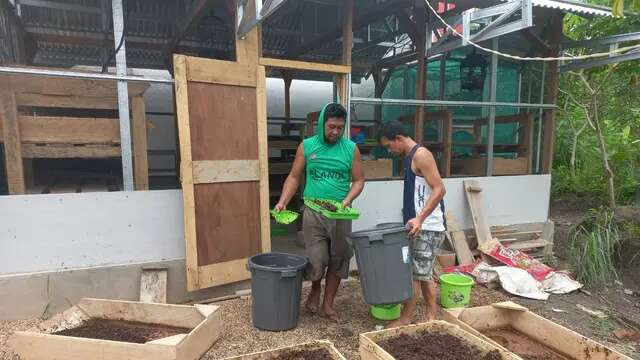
384, 264
276, 285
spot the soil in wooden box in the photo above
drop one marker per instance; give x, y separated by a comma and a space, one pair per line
524, 346
318, 354
118, 330
434, 346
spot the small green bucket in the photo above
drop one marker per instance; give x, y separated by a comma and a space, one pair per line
386, 312
455, 290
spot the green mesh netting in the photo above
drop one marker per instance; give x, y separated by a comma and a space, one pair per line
402, 86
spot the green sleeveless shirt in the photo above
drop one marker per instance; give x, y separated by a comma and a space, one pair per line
328, 166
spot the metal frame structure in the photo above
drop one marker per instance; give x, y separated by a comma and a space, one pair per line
610, 43
493, 28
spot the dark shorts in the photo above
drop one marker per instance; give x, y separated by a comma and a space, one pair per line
424, 248
327, 245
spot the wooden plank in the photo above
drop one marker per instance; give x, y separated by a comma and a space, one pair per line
67, 101
186, 170
509, 305
370, 350
230, 212
459, 242
224, 273
420, 18
263, 159
249, 48
34, 346
551, 94
447, 124
527, 244
218, 171
563, 340
227, 72
304, 65
347, 32
280, 168
50, 85
377, 169
149, 313
139, 133
203, 336
12, 146
67, 151
68, 130
276, 353
480, 225
525, 138
153, 286
237, 116
501, 166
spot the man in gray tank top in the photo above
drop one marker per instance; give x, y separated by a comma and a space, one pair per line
423, 212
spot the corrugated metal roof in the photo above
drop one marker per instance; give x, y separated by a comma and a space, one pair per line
574, 7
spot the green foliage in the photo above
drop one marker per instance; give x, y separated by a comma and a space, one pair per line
594, 249
619, 114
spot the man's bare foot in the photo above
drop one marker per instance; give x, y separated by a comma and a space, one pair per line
398, 323
313, 302
330, 314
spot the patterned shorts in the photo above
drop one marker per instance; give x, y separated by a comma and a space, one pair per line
424, 248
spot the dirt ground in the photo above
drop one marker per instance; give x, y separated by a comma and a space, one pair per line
621, 311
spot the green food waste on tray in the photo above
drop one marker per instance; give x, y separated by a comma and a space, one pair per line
285, 216
332, 209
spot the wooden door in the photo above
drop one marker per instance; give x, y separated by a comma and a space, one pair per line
221, 109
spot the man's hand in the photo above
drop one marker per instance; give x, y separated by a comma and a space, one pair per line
279, 207
414, 225
346, 203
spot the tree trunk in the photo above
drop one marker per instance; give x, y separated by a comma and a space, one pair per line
603, 150
574, 147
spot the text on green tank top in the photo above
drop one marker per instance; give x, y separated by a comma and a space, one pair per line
328, 168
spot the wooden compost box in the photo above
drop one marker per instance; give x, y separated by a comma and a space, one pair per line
513, 327
370, 350
279, 353
149, 331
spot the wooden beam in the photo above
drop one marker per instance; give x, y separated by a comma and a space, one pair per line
140, 156
304, 65
229, 72
70, 151
186, 171
551, 95
12, 144
263, 159
421, 76
217, 171
75, 101
347, 31
195, 13
67, 130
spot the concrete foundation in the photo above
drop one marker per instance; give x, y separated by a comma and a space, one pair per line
44, 294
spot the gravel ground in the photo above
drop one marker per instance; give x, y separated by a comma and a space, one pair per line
6, 329
240, 337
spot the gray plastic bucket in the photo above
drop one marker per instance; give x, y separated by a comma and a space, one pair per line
276, 285
384, 264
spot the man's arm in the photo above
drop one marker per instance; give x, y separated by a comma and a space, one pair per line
427, 168
357, 179
293, 180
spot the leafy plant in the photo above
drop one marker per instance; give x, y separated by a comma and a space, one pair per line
594, 249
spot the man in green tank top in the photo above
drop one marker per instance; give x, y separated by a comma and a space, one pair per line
331, 167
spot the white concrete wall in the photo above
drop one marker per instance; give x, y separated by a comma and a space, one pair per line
69, 231
507, 200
